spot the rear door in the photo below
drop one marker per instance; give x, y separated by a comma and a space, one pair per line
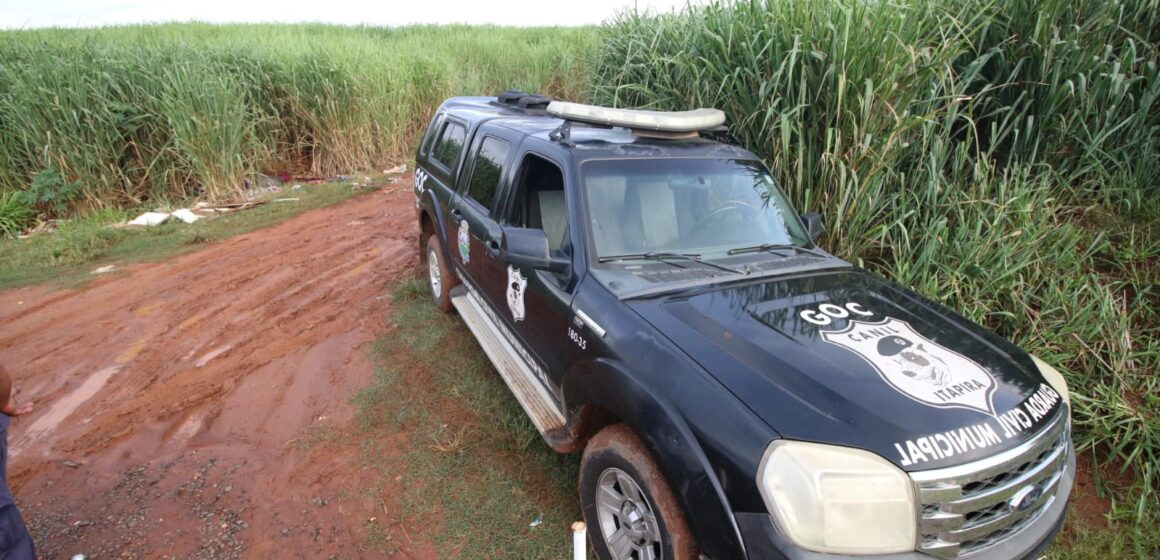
443, 155
476, 232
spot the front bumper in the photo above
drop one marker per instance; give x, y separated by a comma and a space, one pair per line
763, 541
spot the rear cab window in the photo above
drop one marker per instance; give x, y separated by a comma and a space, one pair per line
449, 147
429, 135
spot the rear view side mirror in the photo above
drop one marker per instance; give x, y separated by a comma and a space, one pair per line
528, 247
814, 227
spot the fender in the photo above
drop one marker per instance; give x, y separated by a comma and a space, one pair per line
661, 424
429, 206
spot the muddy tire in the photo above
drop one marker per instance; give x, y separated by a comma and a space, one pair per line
630, 510
440, 278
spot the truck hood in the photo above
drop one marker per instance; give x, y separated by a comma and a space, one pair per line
846, 358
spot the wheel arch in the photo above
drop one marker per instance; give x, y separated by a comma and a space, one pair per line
601, 393
431, 222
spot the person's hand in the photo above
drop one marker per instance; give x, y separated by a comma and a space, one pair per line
14, 408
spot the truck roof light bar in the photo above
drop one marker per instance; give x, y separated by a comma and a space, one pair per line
678, 122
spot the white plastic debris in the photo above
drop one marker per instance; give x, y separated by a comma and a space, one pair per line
150, 219
103, 269
185, 215
396, 169
579, 541
78, 557
539, 520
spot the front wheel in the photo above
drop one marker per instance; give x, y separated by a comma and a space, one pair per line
631, 512
440, 278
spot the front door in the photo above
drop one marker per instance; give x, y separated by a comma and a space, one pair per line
536, 303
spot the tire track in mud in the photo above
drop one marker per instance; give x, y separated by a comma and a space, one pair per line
173, 397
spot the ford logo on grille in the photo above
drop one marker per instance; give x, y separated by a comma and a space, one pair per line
1024, 498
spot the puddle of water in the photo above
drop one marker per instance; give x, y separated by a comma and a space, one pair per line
66, 405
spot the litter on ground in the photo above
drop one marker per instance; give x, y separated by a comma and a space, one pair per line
186, 215
150, 219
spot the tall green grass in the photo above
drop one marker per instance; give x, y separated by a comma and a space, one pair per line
148, 113
1000, 157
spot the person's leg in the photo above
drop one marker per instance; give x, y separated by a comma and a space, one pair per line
15, 542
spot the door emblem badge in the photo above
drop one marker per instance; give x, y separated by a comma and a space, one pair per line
516, 286
916, 366
464, 242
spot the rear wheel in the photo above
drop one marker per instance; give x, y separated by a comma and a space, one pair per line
440, 278
631, 512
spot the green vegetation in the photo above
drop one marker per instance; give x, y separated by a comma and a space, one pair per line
69, 254
15, 215
129, 115
1000, 157
474, 468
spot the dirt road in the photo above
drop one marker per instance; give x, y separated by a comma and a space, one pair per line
176, 400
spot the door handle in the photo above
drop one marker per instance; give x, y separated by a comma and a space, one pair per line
457, 214
492, 247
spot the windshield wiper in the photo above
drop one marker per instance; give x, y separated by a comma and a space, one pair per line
774, 246
659, 256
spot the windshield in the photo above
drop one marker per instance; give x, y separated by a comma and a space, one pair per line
685, 205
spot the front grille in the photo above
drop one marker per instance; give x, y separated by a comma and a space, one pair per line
966, 509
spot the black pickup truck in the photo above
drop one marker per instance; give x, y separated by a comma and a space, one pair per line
651, 298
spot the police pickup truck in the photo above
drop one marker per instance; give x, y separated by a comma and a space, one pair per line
650, 297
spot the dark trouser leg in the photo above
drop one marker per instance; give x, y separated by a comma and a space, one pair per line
15, 542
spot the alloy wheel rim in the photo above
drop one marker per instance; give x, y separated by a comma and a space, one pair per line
627, 522
434, 275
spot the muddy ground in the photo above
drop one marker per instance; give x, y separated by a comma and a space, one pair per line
178, 400
184, 407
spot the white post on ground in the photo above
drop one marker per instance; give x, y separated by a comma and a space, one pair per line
579, 541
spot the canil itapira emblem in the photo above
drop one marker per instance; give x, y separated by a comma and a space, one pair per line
916, 366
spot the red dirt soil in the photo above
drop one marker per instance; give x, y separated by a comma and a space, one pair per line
180, 404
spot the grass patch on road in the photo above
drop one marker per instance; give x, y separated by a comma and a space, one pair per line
474, 469
69, 254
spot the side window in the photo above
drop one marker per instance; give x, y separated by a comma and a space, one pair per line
539, 200
450, 144
488, 171
429, 136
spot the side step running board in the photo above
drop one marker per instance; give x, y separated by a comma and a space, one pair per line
520, 378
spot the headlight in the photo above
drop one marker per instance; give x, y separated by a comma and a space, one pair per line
1054, 378
837, 499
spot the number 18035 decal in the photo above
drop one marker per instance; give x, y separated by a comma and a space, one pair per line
579, 340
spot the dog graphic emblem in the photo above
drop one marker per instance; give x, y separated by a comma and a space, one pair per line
916, 366
464, 242
517, 283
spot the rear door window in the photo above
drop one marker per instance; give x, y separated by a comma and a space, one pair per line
487, 171
450, 145
429, 135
